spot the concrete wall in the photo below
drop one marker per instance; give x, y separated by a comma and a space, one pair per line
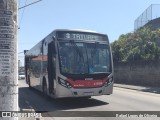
146, 73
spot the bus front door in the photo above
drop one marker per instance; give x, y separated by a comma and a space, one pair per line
51, 67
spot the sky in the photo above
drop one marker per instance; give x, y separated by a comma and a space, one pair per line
112, 17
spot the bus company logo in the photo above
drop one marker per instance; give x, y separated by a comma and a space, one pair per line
88, 78
78, 85
68, 36
98, 83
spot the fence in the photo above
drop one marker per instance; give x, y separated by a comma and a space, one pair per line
144, 73
152, 12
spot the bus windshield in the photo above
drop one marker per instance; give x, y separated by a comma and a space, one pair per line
84, 58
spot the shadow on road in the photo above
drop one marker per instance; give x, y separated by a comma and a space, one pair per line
73, 103
33, 99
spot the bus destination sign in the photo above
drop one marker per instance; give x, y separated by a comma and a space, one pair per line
81, 36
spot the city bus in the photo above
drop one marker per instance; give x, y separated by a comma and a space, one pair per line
71, 63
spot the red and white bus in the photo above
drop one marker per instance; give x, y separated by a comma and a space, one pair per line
71, 63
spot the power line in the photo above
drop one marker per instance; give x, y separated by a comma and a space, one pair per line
29, 4
24, 9
20, 52
22, 16
19, 2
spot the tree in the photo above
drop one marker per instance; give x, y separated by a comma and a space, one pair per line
143, 44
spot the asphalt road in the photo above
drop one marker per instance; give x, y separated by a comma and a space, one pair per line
121, 100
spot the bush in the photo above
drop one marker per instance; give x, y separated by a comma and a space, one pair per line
143, 44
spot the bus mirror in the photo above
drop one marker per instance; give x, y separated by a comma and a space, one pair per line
25, 51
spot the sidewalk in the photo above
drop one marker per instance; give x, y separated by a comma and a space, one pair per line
139, 88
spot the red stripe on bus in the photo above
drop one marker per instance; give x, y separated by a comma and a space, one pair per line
87, 83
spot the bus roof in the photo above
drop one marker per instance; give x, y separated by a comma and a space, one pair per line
78, 30
39, 44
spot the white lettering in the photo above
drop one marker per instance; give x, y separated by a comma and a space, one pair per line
74, 36
82, 36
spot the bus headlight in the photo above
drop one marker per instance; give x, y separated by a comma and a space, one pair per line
64, 83
108, 82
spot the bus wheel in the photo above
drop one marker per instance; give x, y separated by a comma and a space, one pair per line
29, 82
45, 89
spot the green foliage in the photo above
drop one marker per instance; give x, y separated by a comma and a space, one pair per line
143, 44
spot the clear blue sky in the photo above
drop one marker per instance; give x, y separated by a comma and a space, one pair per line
113, 17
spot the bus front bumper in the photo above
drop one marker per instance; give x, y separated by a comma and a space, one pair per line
82, 92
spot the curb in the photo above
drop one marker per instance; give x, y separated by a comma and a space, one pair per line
128, 88
139, 88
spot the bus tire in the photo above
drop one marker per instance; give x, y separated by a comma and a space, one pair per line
44, 89
29, 82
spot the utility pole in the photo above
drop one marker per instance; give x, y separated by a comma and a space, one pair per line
8, 58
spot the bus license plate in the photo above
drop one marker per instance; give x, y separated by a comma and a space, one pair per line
88, 93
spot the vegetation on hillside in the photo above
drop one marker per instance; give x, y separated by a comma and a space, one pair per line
143, 44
